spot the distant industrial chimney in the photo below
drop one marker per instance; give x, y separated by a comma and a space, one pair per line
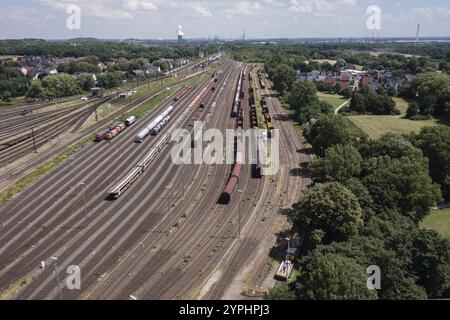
180, 34
417, 35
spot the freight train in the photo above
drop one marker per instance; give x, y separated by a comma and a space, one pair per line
238, 96
233, 181
111, 132
155, 124
142, 166
182, 93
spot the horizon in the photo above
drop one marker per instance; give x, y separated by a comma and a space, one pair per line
225, 19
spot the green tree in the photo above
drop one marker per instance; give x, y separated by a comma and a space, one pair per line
431, 262
301, 94
433, 90
358, 103
35, 90
332, 277
314, 110
86, 82
331, 130
435, 144
402, 184
281, 292
392, 145
413, 110
329, 207
341, 162
283, 78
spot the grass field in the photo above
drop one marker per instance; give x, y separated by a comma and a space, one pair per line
438, 220
376, 126
334, 99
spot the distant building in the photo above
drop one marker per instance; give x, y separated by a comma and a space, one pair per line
366, 80
345, 80
330, 81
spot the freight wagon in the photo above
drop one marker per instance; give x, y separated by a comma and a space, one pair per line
149, 129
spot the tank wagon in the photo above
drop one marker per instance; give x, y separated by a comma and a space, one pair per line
154, 125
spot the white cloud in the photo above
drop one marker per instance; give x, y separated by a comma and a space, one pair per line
244, 8
196, 9
297, 6
143, 5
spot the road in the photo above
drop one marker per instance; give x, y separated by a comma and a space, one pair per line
341, 106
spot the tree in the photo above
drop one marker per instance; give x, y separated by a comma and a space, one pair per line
314, 110
281, 292
433, 90
413, 110
330, 207
402, 184
393, 146
341, 162
358, 103
362, 194
301, 94
86, 82
431, 262
435, 144
331, 130
332, 277
35, 90
61, 85
283, 78
346, 93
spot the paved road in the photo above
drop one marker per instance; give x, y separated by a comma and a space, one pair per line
341, 106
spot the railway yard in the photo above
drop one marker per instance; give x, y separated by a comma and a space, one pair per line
138, 225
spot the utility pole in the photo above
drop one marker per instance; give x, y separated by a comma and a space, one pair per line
168, 188
55, 260
34, 140
82, 184
239, 218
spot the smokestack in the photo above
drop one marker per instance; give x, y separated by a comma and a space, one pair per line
417, 35
180, 33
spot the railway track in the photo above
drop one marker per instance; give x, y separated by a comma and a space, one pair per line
126, 247
59, 146
122, 157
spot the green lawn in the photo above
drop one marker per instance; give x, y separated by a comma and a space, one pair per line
438, 220
376, 126
334, 99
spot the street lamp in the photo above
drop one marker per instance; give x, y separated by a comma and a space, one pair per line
288, 242
55, 260
240, 200
82, 184
168, 188
72, 159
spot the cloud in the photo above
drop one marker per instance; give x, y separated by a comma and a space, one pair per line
296, 6
135, 5
243, 8
195, 9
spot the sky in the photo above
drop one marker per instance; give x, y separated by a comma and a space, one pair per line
159, 19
